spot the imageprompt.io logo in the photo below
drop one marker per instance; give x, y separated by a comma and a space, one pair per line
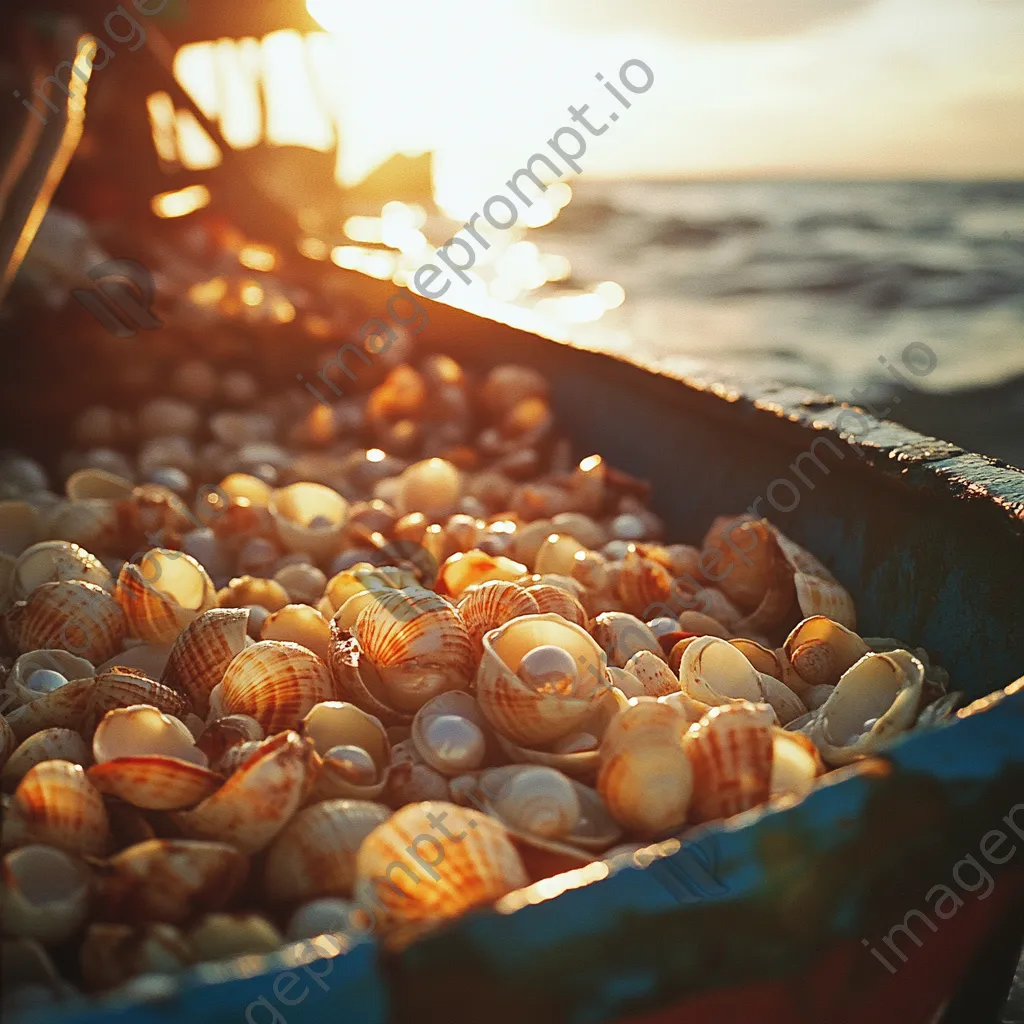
122, 297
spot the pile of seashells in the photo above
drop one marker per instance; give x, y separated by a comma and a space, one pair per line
352, 690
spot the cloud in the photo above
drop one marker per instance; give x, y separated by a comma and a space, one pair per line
704, 19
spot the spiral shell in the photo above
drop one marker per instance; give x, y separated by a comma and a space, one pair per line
470, 862
622, 635
818, 652
450, 733
486, 606
315, 854
53, 561
170, 880
276, 683
335, 724
309, 518
731, 749
646, 777
258, 799
45, 745
201, 654
531, 716
45, 893
163, 593
70, 615
55, 804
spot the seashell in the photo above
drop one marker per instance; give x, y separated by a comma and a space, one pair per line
315, 854
814, 696
244, 591
539, 800
785, 703
450, 733
235, 756
764, 660
331, 916
692, 710
45, 894
20, 526
309, 517
57, 805
299, 624
718, 607
508, 385
149, 760
53, 561
465, 569
817, 591
363, 577
149, 659
201, 654
645, 776
258, 799
557, 554
702, 625
112, 954
656, 678
731, 750
796, 763
582, 528
57, 668
122, 688
741, 554
432, 487
45, 745
348, 739
305, 583
622, 635
276, 683
470, 862
169, 880
486, 606
226, 732
97, 483
243, 485
643, 586
92, 523
627, 683
66, 707
163, 593
715, 672
535, 714
410, 781
874, 701
818, 652
557, 601
71, 615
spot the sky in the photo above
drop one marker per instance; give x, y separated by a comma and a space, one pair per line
832, 88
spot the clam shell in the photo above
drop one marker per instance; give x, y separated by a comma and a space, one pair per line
45, 893
645, 776
364, 577
155, 783
55, 804
749, 568
786, 704
432, 486
335, 723
731, 750
466, 859
521, 714
257, 800
557, 553
299, 624
450, 733
277, 683
68, 665
71, 615
201, 654
245, 591
52, 561
714, 671
465, 569
309, 518
123, 688
488, 605
163, 593
622, 635
171, 880
656, 678
45, 745
315, 854
818, 652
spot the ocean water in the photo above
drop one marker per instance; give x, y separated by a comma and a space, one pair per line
821, 284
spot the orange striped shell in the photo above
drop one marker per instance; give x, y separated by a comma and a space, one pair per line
155, 783
486, 606
558, 601
163, 593
201, 654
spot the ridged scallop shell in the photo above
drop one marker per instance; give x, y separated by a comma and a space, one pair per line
309, 518
731, 749
71, 615
715, 672
52, 561
170, 880
643, 586
818, 652
622, 635
655, 676
646, 778
465, 569
44, 895
163, 593
450, 733
124, 687
526, 716
423, 872
258, 799
552, 600
418, 646
488, 605
875, 700
201, 654
315, 854
68, 665
46, 745
55, 804
277, 683
333, 724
